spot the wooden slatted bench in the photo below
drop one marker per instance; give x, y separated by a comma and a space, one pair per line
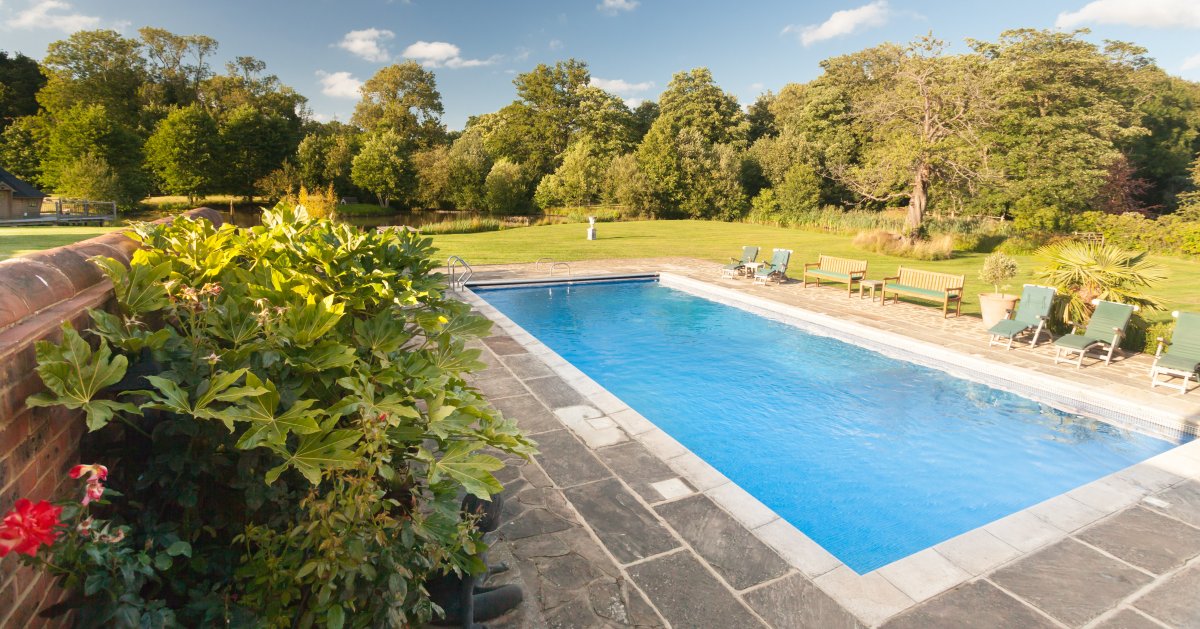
833, 269
942, 287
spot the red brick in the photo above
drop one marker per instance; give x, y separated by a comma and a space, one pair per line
39, 284
13, 433
73, 265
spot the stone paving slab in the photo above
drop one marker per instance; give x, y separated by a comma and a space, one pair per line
978, 604
688, 595
1128, 619
737, 555
795, 602
627, 528
638, 468
1071, 582
1174, 602
567, 461
1150, 541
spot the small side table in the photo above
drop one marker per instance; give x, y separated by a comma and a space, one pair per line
872, 284
752, 268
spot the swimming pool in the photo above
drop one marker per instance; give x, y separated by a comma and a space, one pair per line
871, 457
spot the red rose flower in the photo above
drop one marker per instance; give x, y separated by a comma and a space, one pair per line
93, 471
28, 526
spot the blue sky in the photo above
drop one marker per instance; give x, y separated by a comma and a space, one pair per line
323, 47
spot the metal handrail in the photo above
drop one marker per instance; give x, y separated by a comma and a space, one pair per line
558, 264
537, 266
454, 262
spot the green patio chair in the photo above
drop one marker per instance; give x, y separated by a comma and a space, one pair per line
1106, 328
1032, 313
1183, 357
776, 269
738, 266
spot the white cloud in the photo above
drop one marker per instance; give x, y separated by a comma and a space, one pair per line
368, 43
633, 103
621, 86
757, 87
53, 14
613, 7
843, 23
555, 44
1191, 63
436, 54
339, 84
1148, 13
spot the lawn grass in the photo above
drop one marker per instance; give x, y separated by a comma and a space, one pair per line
717, 241
15, 241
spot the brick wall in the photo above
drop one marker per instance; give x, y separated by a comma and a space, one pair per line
38, 292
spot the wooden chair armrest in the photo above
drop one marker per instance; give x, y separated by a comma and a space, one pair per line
1161, 343
954, 290
809, 265
891, 278
858, 274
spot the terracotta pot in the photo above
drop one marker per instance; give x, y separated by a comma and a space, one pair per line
995, 307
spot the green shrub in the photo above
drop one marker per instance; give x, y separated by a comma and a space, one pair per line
1088, 271
1025, 243
997, 269
286, 405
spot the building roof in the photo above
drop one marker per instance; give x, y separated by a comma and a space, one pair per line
21, 190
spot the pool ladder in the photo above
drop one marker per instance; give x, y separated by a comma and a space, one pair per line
464, 272
537, 266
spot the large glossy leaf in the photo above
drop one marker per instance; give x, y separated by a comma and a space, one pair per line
74, 375
129, 338
473, 471
306, 324
169, 396
317, 452
323, 356
139, 288
267, 423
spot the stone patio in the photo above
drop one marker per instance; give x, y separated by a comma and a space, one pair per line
616, 525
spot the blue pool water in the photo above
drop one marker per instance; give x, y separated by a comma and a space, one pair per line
873, 458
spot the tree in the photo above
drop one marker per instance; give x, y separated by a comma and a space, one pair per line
20, 80
94, 68
84, 129
324, 157
23, 146
644, 115
433, 176
468, 165
579, 180
924, 113
89, 177
691, 150
185, 152
177, 64
383, 168
760, 117
1064, 108
506, 188
253, 143
402, 98
627, 185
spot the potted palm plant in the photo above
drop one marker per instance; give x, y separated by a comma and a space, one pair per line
997, 269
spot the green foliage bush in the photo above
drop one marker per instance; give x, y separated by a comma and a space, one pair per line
1170, 233
289, 401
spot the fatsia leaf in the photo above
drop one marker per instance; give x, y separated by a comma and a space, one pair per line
472, 471
74, 375
267, 424
324, 356
139, 288
306, 324
317, 452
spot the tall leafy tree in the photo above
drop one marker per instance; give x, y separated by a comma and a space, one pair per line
468, 165
23, 146
185, 152
325, 155
384, 168
924, 113
176, 65
20, 80
95, 67
402, 98
92, 129
254, 142
433, 176
1065, 105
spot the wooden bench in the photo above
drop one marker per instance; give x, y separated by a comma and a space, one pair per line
833, 269
926, 285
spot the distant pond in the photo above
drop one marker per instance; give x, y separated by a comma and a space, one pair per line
252, 216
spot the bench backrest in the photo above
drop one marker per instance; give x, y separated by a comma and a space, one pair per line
845, 266
931, 280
